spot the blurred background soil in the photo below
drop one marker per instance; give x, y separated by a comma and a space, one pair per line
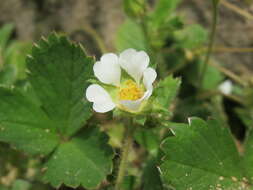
33, 18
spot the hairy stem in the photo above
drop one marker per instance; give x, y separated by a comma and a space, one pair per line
125, 151
211, 42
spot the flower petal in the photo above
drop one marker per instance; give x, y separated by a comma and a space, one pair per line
103, 107
134, 63
135, 105
107, 70
226, 87
102, 101
149, 76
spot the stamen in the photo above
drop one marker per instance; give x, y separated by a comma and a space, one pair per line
130, 91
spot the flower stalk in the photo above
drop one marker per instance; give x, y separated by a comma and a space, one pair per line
128, 140
211, 42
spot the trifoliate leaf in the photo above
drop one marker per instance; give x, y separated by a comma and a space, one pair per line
25, 125
202, 155
84, 160
130, 35
58, 74
165, 92
40, 118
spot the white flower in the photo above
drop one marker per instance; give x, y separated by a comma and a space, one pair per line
127, 81
226, 87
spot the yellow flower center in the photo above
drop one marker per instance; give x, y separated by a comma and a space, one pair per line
130, 91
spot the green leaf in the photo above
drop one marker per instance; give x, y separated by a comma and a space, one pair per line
85, 160
21, 185
14, 67
191, 37
160, 36
25, 125
166, 91
130, 35
189, 106
5, 33
3, 187
16, 55
248, 154
217, 110
58, 74
151, 176
212, 79
163, 11
202, 155
149, 139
